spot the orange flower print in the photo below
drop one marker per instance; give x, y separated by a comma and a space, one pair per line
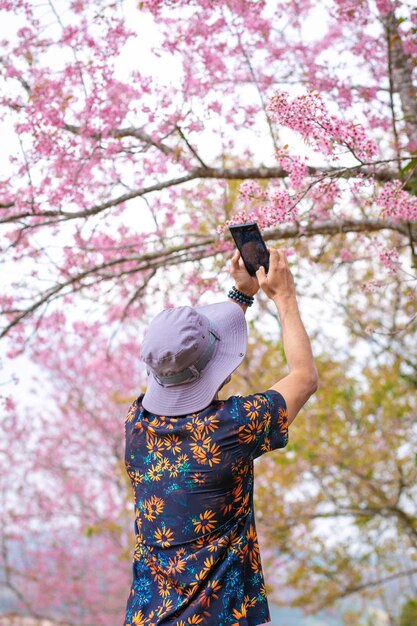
209, 592
172, 443
163, 536
139, 544
173, 471
176, 565
227, 503
132, 411
238, 492
206, 523
250, 602
209, 423
194, 424
214, 545
239, 614
251, 549
282, 419
138, 619
164, 588
199, 577
199, 442
152, 619
165, 607
153, 506
153, 568
232, 541
256, 564
243, 508
198, 478
201, 542
160, 421
163, 464
139, 428
195, 619
136, 477
266, 420
155, 446
239, 468
266, 446
154, 473
252, 408
182, 459
154, 423
208, 565
138, 518
248, 433
209, 455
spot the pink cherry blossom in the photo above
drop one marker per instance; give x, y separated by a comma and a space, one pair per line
309, 116
396, 203
389, 257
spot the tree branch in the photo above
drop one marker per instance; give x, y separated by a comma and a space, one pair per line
375, 583
190, 147
260, 173
194, 251
402, 73
119, 133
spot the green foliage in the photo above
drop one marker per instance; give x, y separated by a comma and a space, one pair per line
409, 613
410, 174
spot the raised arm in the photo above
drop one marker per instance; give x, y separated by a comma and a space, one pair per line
302, 380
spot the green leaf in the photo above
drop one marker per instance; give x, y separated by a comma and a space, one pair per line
89, 531
409, 166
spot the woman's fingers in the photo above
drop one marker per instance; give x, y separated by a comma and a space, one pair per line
261, 275
234, 262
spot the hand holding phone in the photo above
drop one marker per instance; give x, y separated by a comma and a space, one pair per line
279, 283
252, 248
244, 282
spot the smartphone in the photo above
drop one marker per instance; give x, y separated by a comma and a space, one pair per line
252, 248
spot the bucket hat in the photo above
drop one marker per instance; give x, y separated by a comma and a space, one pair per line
189, 352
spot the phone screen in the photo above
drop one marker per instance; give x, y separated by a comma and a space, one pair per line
251, 246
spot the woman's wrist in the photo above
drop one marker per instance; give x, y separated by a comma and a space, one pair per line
240, 297
247, 291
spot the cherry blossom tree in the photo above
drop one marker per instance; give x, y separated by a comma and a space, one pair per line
95, 151
137, 133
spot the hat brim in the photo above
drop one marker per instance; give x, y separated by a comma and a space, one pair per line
230, 325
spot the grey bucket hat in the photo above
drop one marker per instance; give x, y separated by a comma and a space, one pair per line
189, 353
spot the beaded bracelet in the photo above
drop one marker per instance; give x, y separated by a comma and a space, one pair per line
241, 298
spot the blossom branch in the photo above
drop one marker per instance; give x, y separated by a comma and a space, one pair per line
260, 173
119, 133
176, 255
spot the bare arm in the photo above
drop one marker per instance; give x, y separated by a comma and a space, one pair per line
302, 380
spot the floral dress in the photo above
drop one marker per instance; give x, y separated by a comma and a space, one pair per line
196, 558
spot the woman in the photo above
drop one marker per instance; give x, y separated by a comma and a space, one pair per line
190, 456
